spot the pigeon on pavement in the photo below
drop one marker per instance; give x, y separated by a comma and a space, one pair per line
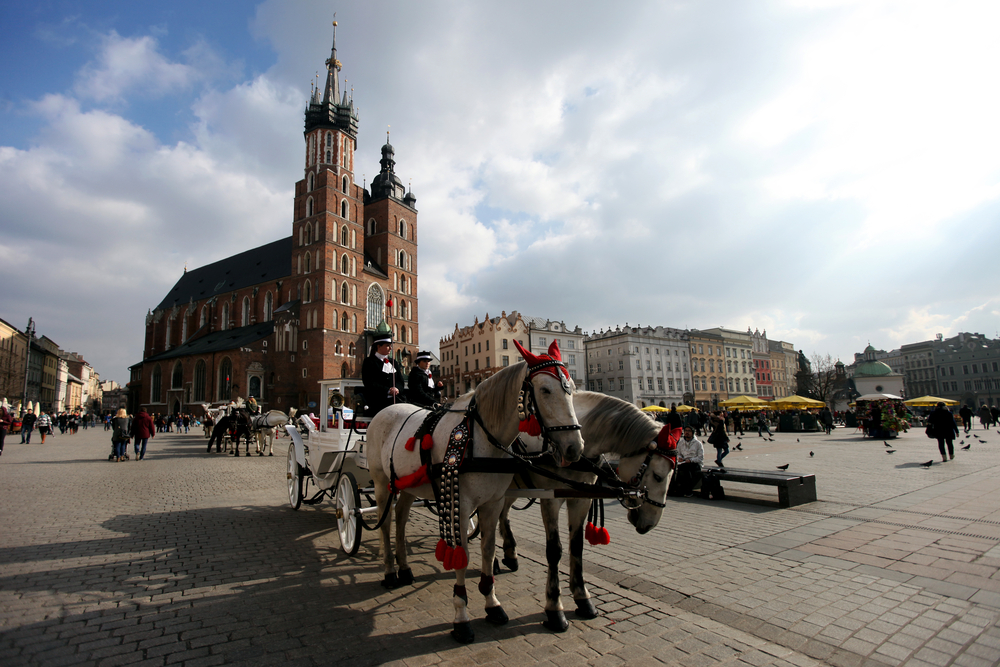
784, 467
967, 447
890, 451
928, 464
810, 454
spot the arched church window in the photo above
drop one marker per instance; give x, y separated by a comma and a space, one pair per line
155, 382
203, 318
225, 384
199, 380
245, 318
268, 307
343, 236
402, 228
345, 295
308, 262
344, 184
338, 348
177, 378
344, 211
345, 265
309, 209
376, 303
311, 182
371, 227
351, 349
344, 322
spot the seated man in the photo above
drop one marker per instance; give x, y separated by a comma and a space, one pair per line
690, 455
423, 389
382, 376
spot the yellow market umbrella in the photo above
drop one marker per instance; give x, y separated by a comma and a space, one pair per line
654, 408
685, 408
797, 402
928, 401
744, 402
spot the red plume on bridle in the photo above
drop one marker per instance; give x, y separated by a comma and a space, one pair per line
534, 360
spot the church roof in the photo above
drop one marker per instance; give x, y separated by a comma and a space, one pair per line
872, 369
218, 341
272, 261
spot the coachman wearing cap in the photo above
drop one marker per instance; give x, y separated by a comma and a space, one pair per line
383, 377
423, 389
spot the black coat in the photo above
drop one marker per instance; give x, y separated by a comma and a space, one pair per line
420, 390
378, 384
944, 424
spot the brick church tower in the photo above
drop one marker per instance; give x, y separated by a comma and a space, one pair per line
272, 321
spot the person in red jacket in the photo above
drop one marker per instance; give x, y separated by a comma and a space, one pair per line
142, 430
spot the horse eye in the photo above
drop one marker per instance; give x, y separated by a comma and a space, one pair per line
657, 477
546, 390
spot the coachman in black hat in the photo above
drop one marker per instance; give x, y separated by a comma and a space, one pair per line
424, 390
382, 376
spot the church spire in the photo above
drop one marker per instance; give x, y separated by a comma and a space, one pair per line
332, 92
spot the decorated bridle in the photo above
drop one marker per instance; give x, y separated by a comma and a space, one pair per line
529, 416
665, 446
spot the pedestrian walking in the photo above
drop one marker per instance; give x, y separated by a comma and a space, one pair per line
27, 426
44, 425
5, 421
142, 430
826, 417
719, 439
966, 414
985, 417
941, 425
762, 424
120, 435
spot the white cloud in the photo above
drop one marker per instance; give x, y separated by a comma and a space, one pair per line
127, 64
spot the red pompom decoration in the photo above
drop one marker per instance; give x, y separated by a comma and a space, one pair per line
410, 444
460, 559
530, 426
427, 443
439, 550
389, 303
590, 533
603, 535
449, 557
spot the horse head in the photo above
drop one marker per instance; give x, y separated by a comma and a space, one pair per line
549, 389
650, 470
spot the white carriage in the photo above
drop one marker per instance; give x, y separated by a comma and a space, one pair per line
327, 459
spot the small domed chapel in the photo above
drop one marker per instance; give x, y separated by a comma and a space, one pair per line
271, 321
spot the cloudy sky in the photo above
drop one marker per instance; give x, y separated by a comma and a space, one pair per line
828, 171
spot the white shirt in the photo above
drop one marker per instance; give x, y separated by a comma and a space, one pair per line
690, 451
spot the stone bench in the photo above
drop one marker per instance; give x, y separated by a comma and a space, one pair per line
793, 488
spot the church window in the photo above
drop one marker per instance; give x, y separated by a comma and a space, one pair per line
395, 281
329, 139
402, 309
343, 235
308, 262
268, 307
155, 385
309, 233
344, 265
376, 301
184, 331
371, 227
351, 349
204, 316
344, 322
402, 228
345, 184
409, 339
345, 370
199, 380
245, 319
344, 211
345, 296
225, 316
177, 377
329, 157
338, 348
166, 338
309, 208
402, 334
307, 292
354, 323
225, 380
311, 182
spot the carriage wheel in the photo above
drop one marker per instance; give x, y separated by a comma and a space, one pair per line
348, 523
294, 479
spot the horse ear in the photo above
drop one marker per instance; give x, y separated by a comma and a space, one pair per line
554, 350
528, 356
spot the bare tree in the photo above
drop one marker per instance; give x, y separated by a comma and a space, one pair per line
824, 377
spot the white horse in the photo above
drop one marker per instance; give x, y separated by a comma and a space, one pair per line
610, 426
264, 427
541, 387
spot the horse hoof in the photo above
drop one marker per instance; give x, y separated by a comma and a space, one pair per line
511, 564
390, 581
585, 608
260, 453
462, 633
236, 453
556, 621
271, 454
496, 567
496, 615
405, 577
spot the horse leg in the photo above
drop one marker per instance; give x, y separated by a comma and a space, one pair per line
404, 576
509, 543
382, 499
576, 511
555, 618
488, 515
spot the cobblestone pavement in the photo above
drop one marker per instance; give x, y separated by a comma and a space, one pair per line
194, 559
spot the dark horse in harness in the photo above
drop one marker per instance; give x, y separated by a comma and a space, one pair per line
236, 424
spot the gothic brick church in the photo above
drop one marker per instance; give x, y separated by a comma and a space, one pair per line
272, 321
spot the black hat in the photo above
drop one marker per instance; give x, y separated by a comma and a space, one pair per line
423, 356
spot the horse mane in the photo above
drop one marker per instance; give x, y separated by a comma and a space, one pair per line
618, 425
496, 396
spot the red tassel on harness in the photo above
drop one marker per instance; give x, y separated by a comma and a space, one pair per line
590, 533
603, 535
530, 426
449, 557
460, 559
427, 443
413, 479
439, 550
410, 444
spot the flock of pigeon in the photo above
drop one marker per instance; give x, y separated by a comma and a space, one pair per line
889, 450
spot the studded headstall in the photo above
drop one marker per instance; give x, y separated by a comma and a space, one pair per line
528, 414
666, 449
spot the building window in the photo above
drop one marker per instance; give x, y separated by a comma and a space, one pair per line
376, 302
503, 343
659, 384
177, 377
155, 394
225, 380
638, 365
344, 211
268, 307
621, 384
344, 184
344, 238
345, 294
505, 360
199, 381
